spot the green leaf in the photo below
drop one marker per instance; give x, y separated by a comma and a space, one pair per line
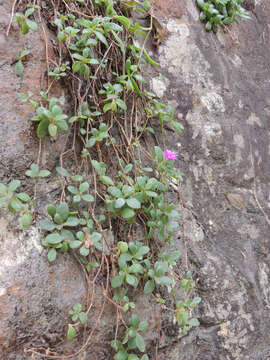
133, 203
75, 244
132, 357
76, 66
160, 268
32, 25
136, 268
121, 355
114, 191
53, 239
140, 342
182, 317
77, 308
23, 197
208, 26
24, 28
127, 213
121, 104
122, 246
101, 37
74, 317
51, 210
52, 130
128, 168
178, 127
31, 174
62, 171
71, 332
151, 194
80, 235
117, 281
151, 184
44, 173
73, 190
15, 205
130, 333
24, 53
84, 251
93, 62
42, 114
163, 280
194, 322
107, 107
56, 110
18, 68
158, 153
119, 203
58, 219
29, 12
106, 180
47, 225
63, 211
145, 357
67, 235
91, 42
149, 60
84, 187
97, 166
132, 280
26, 220
123, 20
52, 255
72, 221
42, 129
196, 301
143, 250
61, 36
88, 198
143, 325
149, 287
2, 201
132, 344
64, 247
13, 185
120, 42
139, 78
127, 190
134, 321
126, 307
3, 189
135, 86
95, 237
83, 317
122, 261
91, 142
77, 178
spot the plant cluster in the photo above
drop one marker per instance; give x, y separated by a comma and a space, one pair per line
19, 67
50, 117
16, 202
24, 22
109, 188
221, 12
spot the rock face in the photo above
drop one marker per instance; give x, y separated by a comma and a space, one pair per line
220, 88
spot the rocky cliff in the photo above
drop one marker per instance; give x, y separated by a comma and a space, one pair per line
219, 86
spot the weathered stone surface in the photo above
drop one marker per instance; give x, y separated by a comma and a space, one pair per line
18, 146
220, 88
220, 85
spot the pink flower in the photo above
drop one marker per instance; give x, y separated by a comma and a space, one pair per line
170, 155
